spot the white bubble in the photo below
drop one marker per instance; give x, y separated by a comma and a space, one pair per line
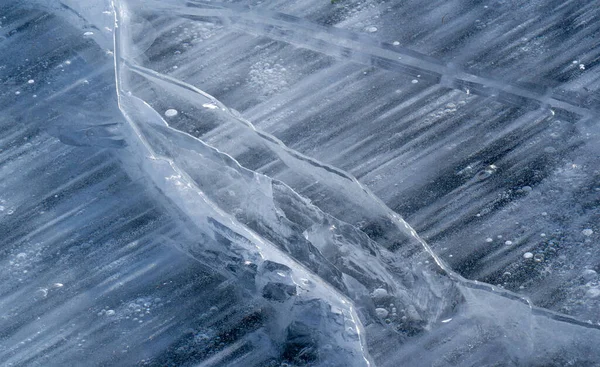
587, 232
31, 81
528, 255
171, 112
581, 67
381, 312
396, 43
508, 243
379, 293
110, 312
371, 29
414, 81
210, 106
17, 93
88, 34
489, 239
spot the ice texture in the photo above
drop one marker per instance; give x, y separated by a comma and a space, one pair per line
191, 183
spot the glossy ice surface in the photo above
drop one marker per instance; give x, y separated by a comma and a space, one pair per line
299, 183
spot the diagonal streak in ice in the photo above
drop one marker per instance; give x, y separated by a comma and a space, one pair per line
356, 48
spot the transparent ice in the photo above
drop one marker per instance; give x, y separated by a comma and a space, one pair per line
223, 183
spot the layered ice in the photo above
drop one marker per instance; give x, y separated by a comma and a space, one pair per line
146, 222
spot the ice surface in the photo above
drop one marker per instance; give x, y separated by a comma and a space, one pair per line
177, 183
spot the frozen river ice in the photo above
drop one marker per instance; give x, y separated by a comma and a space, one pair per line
299, 183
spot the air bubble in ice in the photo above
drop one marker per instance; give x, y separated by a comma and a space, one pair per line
371, 29
381, 312
379, 293
210, 106
528, 255
171, 112
483, 174
587, 232
43, 292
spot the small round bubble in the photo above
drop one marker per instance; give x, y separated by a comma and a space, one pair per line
171, 112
